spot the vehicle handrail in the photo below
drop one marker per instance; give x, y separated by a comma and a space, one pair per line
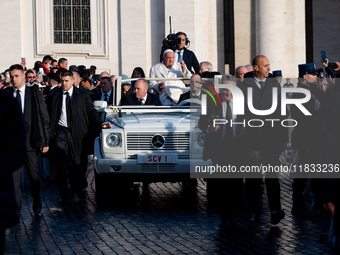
151, 109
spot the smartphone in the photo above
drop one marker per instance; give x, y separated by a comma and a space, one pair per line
323, 56
41, 72
23, 61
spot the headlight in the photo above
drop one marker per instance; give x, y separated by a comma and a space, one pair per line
113, 140
201, 139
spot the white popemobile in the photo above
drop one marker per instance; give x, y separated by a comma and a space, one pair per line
145, 143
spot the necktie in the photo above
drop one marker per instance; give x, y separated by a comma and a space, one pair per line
105, 97
194, 96
19, 99
228, 117
262, 84
179, 57
141, 101
68, 109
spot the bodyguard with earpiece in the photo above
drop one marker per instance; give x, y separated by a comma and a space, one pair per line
182, 53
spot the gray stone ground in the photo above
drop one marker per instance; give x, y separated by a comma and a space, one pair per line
160, 219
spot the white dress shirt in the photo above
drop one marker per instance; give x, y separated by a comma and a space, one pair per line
22, 96
224, 112
63, 115
257, 81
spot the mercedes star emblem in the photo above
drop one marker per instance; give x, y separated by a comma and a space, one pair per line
158, 141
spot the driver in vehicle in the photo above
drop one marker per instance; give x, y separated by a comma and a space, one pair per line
141, 95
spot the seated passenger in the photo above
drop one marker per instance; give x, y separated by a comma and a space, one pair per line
195, 89
141, 95
106, 93
169, 91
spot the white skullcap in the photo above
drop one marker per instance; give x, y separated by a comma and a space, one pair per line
166, 51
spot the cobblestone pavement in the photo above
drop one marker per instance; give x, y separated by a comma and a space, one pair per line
160, 219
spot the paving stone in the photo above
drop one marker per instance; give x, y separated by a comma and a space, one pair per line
159, 219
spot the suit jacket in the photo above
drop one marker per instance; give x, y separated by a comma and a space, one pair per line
98, 96
328, 137
191, 61
187, 95
12, 155
227, 148
303, 136
83, 113
267, 140
151, 99
36, 117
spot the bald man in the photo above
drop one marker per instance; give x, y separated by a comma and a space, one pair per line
266, 142
240, 71
141, 95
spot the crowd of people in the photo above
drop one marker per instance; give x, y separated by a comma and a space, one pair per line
52, 104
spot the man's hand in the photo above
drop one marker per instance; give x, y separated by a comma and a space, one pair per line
214, 129
184, 69
329, 207
106, 125
338, 66
161, 86
325, 63
44, 149
255, 155
39, 79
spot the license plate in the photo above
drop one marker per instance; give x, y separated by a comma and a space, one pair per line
158, 158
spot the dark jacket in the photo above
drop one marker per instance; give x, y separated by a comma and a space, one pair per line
98, 96
83, 113
12, 155
304, 134
328, 151
267, 140
191, 61
36, 117
151, 99
227, 149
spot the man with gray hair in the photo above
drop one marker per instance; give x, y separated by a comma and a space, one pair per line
169, 91
205, 66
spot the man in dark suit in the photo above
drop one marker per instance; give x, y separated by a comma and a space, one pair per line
182, 53
141, 95
77, 83
71, 111
12, 156
106, 91
304, 134
37, 138
266, 142
327, 188
195, 91
224, 145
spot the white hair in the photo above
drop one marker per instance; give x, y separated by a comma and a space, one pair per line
207, 65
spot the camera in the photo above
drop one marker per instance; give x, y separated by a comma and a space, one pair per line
170, 42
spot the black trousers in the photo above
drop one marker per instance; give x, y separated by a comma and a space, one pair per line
67, 168
226, 195
33, 173
254, 194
